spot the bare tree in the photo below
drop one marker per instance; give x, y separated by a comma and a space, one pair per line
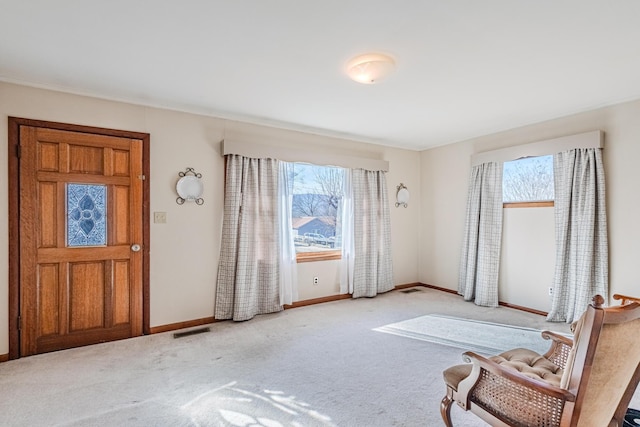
529, 179
330, 182
318, 194
308, 205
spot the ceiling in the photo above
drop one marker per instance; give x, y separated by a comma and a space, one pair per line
464, 68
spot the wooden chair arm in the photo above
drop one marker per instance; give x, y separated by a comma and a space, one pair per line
558, 352
515, 377
554, 336
625, 299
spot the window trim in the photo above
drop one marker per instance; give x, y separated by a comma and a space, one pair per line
318, 256
540, 204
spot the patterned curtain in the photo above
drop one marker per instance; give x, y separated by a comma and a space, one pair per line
249, 273
372, 267
582, 254
480, 260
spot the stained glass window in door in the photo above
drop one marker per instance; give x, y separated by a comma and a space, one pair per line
86, 215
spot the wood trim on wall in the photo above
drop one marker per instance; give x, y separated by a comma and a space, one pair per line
545, 204
521, 308
4, 358
314, 301
321, 300
318, 256
14, 235
438, 288
14, 124
408, 285
304, 303
183, 325
503, 304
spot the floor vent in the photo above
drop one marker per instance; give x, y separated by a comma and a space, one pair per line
410, 291
191, 332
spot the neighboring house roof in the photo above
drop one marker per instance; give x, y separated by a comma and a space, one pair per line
301, 221
304, 220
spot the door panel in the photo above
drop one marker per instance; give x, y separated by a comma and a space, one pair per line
86, 295
81, 210
120, 163
86, 160
121, 215
49, 293
48, 196
121, 292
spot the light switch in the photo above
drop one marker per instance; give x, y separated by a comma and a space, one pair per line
160, 217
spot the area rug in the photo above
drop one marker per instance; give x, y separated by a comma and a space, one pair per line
481, 337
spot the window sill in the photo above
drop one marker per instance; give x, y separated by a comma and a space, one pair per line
319, 256
546, 204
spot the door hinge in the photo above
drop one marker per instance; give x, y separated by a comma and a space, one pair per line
19, 323
19, 151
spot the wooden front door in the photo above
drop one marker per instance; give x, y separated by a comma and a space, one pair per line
81, 238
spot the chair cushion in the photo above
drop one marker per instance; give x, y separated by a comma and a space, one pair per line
531, 364
526, 361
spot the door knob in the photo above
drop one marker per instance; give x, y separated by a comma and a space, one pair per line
135, 248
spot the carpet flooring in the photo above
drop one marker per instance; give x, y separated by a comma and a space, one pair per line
322, 365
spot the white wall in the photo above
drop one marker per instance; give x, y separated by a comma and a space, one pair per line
185, 250
528, 251
528, 235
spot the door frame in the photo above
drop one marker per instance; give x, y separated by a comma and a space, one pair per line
14, 216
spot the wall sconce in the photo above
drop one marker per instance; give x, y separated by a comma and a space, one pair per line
189, 187
402, 195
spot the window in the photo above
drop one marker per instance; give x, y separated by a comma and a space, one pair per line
528, 181
315, 211
86, 215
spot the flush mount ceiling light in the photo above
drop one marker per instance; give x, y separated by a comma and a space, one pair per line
370, 68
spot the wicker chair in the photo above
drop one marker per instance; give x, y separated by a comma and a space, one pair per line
586, 384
